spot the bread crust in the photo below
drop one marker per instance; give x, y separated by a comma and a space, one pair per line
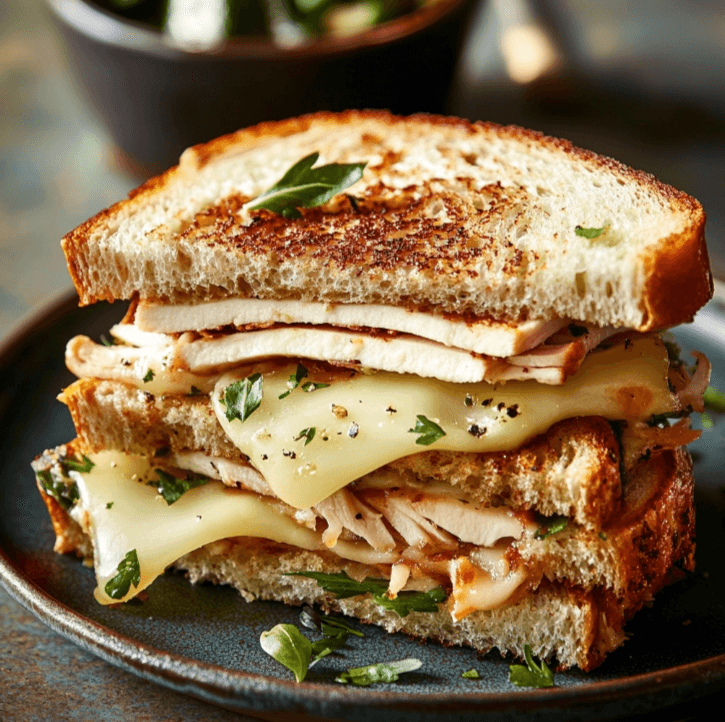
439, 242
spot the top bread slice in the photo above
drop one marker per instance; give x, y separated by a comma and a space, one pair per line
453, 217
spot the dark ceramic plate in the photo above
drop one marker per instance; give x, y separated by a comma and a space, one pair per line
203, 640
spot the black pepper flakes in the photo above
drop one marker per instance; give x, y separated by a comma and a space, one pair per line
468, 401
513, 411
476, 430
264, 457
501, 406
486, 402
391, 410
358, 515
291, 454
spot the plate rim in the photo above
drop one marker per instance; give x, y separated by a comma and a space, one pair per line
240, 690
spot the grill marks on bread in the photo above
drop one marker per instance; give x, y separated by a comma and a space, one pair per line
425, 227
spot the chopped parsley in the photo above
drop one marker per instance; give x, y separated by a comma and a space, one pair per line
550, 526
65, 494
311, 386
307, 434
382, 672
149, 376
531, 675
429, 431
294, 381
589, 232
129, 572
471, 674
109, 505
171, 488
243, 397
84, 466
343, 587
714, 399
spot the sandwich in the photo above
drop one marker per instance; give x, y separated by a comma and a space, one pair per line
408, 369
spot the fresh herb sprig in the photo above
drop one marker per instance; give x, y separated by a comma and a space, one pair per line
171, 488
65, 494
714, 399
243, 397
532, 675
303, 186
342, 586
129, 572
429, 431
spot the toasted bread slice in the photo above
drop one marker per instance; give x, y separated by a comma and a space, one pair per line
569, 612
453, 217
571, 470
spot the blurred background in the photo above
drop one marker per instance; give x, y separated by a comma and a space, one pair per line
90, 105
83, 121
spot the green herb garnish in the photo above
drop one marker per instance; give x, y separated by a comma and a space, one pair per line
343, 587
294, 381
307, 434
714, 399
471, 674
589, 232
194, 391
83, 467
707, 422
429, 431
289, 647
171, 488
383, 672
129, 572
109, 505
311, 386
243, 397
303, 186
65, 494
550, 526
531, 675
149, 376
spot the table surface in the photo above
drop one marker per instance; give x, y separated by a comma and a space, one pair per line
647, 89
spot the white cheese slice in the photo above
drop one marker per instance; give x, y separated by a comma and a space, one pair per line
485, 337
379, 412
140, 520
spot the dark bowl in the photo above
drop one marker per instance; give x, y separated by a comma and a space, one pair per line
157, 99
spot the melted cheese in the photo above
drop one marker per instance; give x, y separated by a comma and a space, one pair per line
365, 422
486, 337
139, 519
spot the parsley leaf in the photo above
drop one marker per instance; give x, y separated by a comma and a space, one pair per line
714, 399
109, 505
329, 644
171, 488
289, 647
303, 186
129, 572
311, 386
84, 466
383, 672
471, 674
549, 526
343, 587
589, 232
65, 494
149, 376
294, 381
307, 434
194, 391
243, 397
531, 675
429, 431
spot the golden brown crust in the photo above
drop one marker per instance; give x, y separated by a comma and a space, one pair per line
472, 245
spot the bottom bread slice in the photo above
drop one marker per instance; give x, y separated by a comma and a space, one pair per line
557, 618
